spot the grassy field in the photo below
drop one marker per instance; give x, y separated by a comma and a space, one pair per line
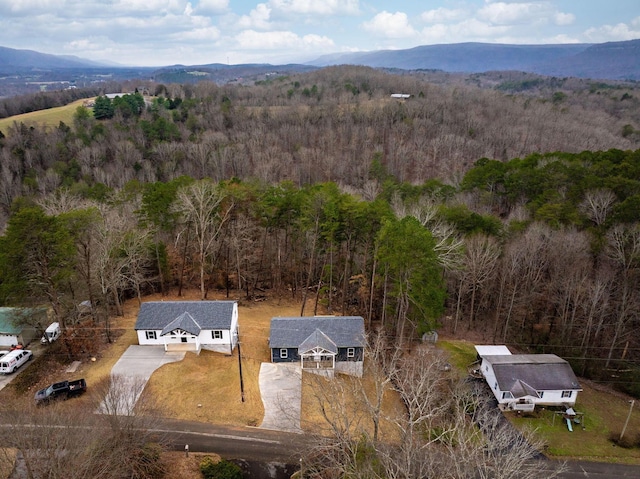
603, 412
49, 118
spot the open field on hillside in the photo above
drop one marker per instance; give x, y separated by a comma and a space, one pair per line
604, 412
48, 118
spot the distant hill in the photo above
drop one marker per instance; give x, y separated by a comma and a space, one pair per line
12, 60
614, 60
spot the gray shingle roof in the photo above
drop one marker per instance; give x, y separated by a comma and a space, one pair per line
184, 322
291, 332
206, 314
318, 339
542, 372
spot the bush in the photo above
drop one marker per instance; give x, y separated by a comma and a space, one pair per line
219, 470
627, 442
148, 462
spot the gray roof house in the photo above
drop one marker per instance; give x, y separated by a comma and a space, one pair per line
522, 381
321, 344
189, 325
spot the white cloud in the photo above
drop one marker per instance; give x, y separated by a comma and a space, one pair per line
501, 13
390, 25
198, 34
212, 7
468, 30
562, 19
253, 40
561, 39
317, 7
257, 18
609, 33
442, 15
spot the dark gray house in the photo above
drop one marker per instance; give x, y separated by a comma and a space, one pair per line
320, 344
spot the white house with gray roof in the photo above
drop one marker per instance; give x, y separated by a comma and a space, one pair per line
189, 325
320, 344
522, 381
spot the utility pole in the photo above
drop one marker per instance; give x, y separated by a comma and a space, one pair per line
626, 423
240, 371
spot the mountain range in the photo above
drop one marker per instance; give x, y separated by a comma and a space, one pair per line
612, 60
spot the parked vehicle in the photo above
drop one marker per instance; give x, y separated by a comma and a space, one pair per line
14, 359
51, 333
61, 390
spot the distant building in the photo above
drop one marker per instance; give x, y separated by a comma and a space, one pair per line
400, 96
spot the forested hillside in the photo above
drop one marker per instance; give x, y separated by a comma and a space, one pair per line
459, 208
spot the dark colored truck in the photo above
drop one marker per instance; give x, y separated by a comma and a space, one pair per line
61, 390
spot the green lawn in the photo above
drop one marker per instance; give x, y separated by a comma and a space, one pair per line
48, 118
604, 413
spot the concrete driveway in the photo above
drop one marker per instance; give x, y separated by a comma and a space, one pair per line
130, 375
281, 391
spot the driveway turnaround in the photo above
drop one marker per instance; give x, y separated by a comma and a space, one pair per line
281, 391
130, 375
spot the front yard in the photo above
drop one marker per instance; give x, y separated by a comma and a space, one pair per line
604, 412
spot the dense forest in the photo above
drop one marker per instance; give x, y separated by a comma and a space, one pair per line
464, 208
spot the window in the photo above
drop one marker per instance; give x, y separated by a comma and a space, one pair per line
495, 386
507, 395
540, 394
567, 394
284, 354
151, 335
351, 352
216, 334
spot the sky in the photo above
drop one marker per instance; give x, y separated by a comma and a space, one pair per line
196, 32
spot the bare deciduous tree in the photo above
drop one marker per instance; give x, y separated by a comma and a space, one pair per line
201, 207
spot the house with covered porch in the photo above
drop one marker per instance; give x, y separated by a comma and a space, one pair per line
189, 325
319, 344
520, 382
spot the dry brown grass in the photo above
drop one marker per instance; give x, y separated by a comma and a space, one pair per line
7, 461
49, 118
346, 395
206, 387
183, 467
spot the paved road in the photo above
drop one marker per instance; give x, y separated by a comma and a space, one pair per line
255, 444
248, 443
266, 446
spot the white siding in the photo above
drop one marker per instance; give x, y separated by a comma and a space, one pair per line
549, 397
204, 340
8, 340
142, 338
